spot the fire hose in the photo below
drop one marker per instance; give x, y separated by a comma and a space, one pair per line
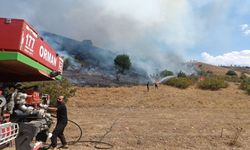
78, 140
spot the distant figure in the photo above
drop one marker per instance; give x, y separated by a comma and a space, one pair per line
148, 86
156, 85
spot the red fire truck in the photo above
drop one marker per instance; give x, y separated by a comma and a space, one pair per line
24, 56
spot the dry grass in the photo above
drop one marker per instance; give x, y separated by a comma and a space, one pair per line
167, 118
215, 69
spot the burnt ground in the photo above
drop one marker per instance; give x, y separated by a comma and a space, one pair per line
167, 118
108, 80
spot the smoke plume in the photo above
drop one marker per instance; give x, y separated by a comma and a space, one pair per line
154, 33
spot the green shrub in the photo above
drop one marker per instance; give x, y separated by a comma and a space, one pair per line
54, 89
205, 73
245, 83
212, 84
248, 89
181, 74
194, 79
230, 78
231, 73
182, 82
243, 76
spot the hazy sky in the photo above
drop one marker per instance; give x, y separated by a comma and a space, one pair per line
214, 31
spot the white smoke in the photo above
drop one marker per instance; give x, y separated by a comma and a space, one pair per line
153, 32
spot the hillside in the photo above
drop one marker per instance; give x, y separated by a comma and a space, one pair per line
89, 65
214, 69
221, 70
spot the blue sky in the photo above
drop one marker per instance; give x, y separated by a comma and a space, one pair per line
228, 31
212, 31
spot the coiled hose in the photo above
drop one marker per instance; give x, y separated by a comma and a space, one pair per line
78, 140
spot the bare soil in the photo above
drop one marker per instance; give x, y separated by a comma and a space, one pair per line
167, 118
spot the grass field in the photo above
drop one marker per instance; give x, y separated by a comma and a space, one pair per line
167, 118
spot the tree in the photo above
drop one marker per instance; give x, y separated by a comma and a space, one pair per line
181, 74
66, 63
122, 63
231, 73
54, 89
165, 73
80, 60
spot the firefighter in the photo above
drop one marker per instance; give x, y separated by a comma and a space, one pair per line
156, 85
148, 86
62, 119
